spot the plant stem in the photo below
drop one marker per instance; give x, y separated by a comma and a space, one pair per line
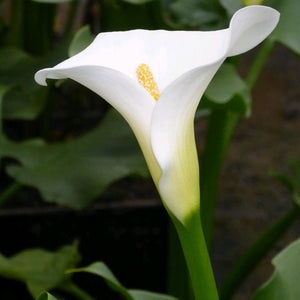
15, 35
38, 39
71, 17
46, 116
220, 129
195, 251
221, 125
9, 193
247, 262
259, 62
178, 281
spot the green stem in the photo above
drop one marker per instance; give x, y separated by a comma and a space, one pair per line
197, 258
178, 281
38, 27
220, 129
46, 116
74, 290
247, 262
221, 125
15, 36
9, 193
71, 17
259, 62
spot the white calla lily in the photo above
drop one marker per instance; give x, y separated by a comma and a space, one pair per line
132, 69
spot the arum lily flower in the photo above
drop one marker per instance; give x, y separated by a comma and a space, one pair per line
155, 79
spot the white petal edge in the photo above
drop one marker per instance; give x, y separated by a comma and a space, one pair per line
131, 100
159, 49
249, 26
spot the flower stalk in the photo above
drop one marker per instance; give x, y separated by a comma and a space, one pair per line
197, 257
259, 62
221, 125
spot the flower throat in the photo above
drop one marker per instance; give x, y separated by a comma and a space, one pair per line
146, 79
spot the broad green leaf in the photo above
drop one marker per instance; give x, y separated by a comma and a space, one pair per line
227, 91
10, 56
124, 15
295, 168
284, 283
3, 90
287, 31
45, 296
52, 1
81, 40
144, 295
100, 269
21, 104
22, 67
19, 99
231, 6
74, 173
138, 2
25, 99
40, 269
198, 14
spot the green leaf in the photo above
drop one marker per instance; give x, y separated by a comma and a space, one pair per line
18, 96
45, 296
285, 179
81, 40
291, 182
122, 15
52, 1
287, 31
138, 2
22, 104
24, 98
231, 6
40, 269
10, 56
198, 14
3, 90
295, 168
22, 67
144, 295
74, 173
19, 101
284, 283
227, 91
100, 269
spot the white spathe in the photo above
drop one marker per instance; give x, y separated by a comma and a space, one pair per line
182, 63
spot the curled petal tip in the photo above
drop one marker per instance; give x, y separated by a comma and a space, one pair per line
250, 26
40, 77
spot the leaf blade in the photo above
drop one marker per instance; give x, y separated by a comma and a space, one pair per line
284, 283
